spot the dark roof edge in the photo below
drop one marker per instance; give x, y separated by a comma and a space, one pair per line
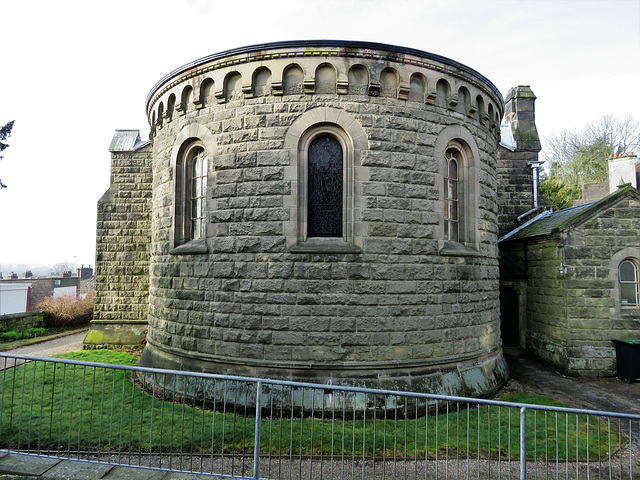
588, 211
605, 201
321, 43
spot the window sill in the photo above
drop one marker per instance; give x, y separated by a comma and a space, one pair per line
456, 249
325, 245
192, 247
630, 311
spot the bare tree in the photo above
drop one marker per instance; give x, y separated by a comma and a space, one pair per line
579, 157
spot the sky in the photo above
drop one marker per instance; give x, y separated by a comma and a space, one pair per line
74, 71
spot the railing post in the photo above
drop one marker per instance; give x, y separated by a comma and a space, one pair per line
523, 443
256, 443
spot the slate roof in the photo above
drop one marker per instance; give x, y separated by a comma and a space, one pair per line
126, 141
548, 223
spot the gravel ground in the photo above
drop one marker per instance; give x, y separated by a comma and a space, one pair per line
620, 467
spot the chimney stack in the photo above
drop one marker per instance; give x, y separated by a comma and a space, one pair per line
623, 169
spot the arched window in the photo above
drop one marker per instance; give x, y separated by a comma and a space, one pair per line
198, 194
191, 194
452, 164
628, 278
325, 145
325, 187
457, 150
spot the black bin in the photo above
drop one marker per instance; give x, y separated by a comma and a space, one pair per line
628, 359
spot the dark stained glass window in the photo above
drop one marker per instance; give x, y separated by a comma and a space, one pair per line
324, 201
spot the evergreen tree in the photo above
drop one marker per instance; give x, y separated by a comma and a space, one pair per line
4, 134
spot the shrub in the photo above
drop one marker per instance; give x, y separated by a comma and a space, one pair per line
34, 332
10, 336
67, 310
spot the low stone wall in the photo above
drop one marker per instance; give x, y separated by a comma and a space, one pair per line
21, 320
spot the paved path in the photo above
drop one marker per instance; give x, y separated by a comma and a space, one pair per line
607, 394
68, 343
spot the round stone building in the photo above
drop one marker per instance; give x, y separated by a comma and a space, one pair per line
325, 211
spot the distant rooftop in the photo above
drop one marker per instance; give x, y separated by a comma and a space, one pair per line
126, 141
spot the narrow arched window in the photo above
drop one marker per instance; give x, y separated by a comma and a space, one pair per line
452, 165
198, 193
325, 188
628, 278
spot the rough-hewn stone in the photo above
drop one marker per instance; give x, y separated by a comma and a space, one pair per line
387, 305
123, 248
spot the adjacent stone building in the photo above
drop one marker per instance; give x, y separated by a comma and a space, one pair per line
574, 275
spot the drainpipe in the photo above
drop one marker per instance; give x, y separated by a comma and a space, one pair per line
534, 166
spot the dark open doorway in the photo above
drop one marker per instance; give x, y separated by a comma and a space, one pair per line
509, 317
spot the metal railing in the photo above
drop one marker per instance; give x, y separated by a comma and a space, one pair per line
254, 428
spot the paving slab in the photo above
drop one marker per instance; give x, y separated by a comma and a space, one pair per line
606, 394
70, 470
129, 473
26, 464
189, 476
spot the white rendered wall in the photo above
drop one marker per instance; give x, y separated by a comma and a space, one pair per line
62, 291
13, 297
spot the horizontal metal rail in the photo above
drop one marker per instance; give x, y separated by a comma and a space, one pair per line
253, 428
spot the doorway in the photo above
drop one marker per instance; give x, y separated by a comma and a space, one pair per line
509, 317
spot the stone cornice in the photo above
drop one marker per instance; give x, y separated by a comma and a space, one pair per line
320, 48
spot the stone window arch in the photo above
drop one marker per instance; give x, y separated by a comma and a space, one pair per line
191, 159
191, 192
333, 140
628, 282
620, 309
456, 151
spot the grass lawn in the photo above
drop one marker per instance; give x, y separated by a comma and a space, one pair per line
69, 408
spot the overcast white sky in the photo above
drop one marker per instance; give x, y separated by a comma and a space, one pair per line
74, 71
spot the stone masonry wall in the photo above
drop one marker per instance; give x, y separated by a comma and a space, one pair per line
595, 317
252, 306
21, 320
515, 187
546, 307
122, 252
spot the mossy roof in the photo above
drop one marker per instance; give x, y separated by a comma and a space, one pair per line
549, 223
